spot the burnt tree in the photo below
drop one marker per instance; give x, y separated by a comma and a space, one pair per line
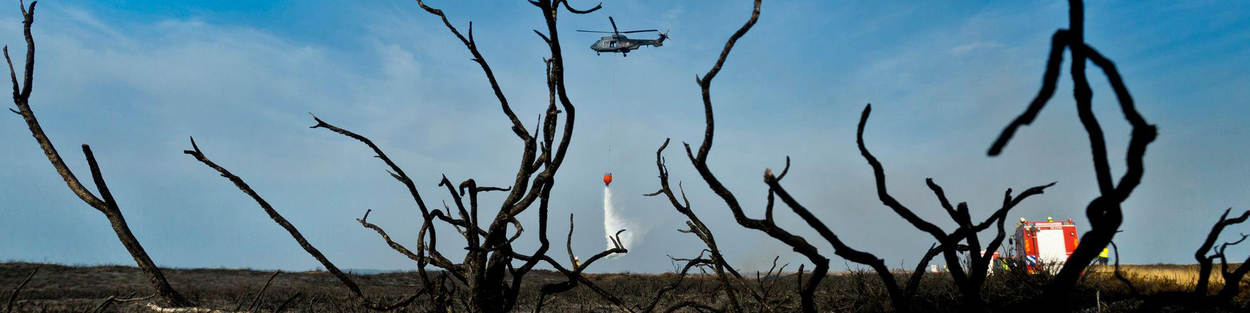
963, 239
8, 308
1232, 279
299, 238
715, 260
491, 271
949, 245
104, 202
1104, 211
732, 282
768, 224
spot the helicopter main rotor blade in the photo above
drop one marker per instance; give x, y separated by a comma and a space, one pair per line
641, 31
613, 25
593, 31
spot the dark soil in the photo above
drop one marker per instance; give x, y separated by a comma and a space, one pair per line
60, 288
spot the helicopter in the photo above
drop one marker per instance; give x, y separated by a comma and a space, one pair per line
619, 43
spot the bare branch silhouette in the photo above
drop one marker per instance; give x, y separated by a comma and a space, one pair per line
1201, 255
574, 276
294, 232
724, 272
1232, 279
970, 283
972, 279
799, 244
681, 277
768, 224
286, 303
487, 271
1104, 211
259, 294
8, 308
114, 299
108, 206
913, 281
1120, 275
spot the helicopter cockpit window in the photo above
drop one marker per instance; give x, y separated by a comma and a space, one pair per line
612, 44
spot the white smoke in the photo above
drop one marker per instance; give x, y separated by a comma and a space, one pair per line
613, 222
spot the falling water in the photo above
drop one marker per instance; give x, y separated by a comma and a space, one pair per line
612, 222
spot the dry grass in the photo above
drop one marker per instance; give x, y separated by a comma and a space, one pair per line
1166, 277
60, 288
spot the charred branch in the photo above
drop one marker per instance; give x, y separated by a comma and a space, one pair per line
394, 170
768, 224
259, 294
276, 217
574, 275
8, 308
108, 206
724, 272
294, 232
1201, 255
425, 254
114, 299
681, 277
1232, 278
963, 238
1120, 275
1104, 211
285, 304
575, 278
840, 248
489, 261
799, 244
913, 281
517, 126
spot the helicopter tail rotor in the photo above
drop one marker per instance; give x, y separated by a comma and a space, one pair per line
660, 42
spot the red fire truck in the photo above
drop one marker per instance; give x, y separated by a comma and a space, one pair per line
1039, 245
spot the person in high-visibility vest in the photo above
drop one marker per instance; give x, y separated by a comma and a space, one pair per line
1102, 257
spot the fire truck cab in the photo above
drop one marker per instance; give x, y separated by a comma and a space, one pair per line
1041, 245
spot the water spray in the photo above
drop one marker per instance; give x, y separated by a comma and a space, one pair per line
612, 221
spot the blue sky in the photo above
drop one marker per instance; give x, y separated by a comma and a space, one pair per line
135, 78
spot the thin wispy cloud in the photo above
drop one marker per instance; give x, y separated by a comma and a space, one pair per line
965, 48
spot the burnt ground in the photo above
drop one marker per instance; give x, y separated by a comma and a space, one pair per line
61, 288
